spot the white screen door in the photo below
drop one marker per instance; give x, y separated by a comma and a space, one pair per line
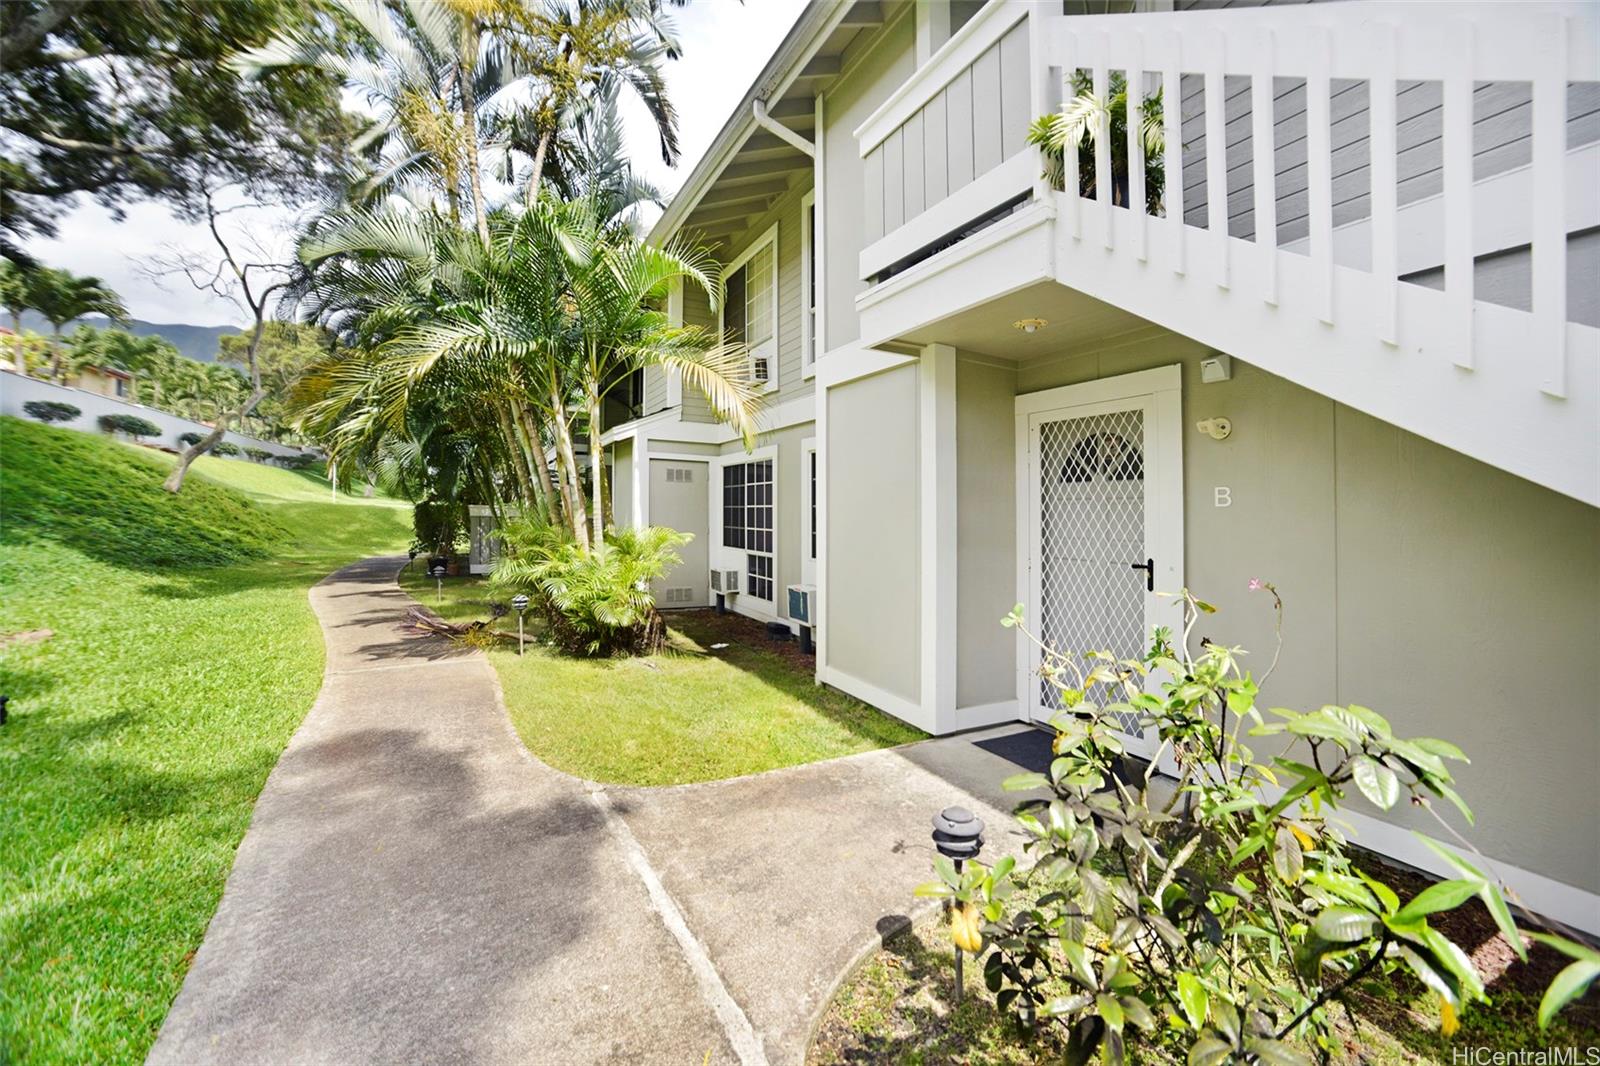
1100, 489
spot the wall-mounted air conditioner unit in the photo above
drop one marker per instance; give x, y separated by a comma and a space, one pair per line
725, 582
802, 604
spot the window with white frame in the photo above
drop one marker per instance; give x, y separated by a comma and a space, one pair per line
747, 508
750, 305
808, 280
811, 496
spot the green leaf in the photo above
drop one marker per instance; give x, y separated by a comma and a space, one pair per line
1492, 898
1287, 858
1423, 966
1444, 896
1209, 1051
1568, 986
1109, 1009
1371, 719
946, 871
1456, 961
1277, 1053
1382, 891
1344, 924
1025, 782
1079, 958
934, 890
1572, 950
1442, 748
1192, 994
1066, 1005
1377, 782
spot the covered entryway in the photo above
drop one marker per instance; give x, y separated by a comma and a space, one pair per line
1100, 500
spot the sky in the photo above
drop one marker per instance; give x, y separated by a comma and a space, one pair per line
725, 45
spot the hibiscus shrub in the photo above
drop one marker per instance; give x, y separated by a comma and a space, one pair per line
1221, 908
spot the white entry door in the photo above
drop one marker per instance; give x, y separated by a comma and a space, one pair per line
1100, 523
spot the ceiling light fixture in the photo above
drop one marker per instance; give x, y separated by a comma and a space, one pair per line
1030, 325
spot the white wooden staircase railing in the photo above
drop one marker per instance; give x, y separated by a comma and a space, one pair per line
1518, 389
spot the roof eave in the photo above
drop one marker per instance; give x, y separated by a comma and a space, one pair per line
809, 31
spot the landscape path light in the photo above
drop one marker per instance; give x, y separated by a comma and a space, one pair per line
958, 836
436, 571
519, 603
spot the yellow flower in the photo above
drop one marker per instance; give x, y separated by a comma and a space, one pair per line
1448, 1022
964, 928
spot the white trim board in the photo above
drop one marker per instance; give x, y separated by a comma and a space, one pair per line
908, 711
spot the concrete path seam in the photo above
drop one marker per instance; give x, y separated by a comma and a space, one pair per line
741, 1034
735, 1023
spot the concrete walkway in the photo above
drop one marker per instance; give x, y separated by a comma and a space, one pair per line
415, 887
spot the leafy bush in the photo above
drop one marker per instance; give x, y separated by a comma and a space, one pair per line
105, 500
595, 602
190, 438
132, 425
1085, 118
298, 462
1226, 905
439, 526
260, 455
51, 411
225, 447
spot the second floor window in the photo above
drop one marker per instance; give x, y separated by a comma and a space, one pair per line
750, 307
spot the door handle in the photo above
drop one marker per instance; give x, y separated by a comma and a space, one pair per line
1149, 568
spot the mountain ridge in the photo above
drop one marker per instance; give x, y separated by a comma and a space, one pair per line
199, 343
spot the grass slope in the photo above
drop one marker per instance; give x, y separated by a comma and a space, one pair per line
693, 713
144, 727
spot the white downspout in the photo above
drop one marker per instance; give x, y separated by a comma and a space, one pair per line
759, 109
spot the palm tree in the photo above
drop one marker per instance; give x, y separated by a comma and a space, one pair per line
62, 297
525, 330
581, 53
16, 294
426, 73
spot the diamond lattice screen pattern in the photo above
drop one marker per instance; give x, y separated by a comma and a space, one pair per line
1091, 511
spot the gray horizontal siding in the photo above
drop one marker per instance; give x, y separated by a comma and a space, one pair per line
1501, 142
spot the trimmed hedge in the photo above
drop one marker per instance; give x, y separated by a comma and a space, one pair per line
132, 425
51, 410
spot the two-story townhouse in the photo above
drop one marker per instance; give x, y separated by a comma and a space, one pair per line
1351, 349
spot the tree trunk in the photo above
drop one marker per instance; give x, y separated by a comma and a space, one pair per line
540, 497
514, 447
597, 470
19, 350
174, 482
541, 468
538, 167
469, 117
567, 460
55, 352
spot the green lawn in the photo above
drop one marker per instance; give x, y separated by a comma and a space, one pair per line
144, 726
693, 713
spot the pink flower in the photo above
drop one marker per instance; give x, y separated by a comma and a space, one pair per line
1256, 584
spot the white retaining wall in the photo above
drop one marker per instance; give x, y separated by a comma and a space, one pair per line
16, 390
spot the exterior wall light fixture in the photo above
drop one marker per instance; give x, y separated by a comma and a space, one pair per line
1030, 325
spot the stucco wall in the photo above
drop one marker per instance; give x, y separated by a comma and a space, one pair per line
873, 592
620, 473
1457, 600
16, 390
